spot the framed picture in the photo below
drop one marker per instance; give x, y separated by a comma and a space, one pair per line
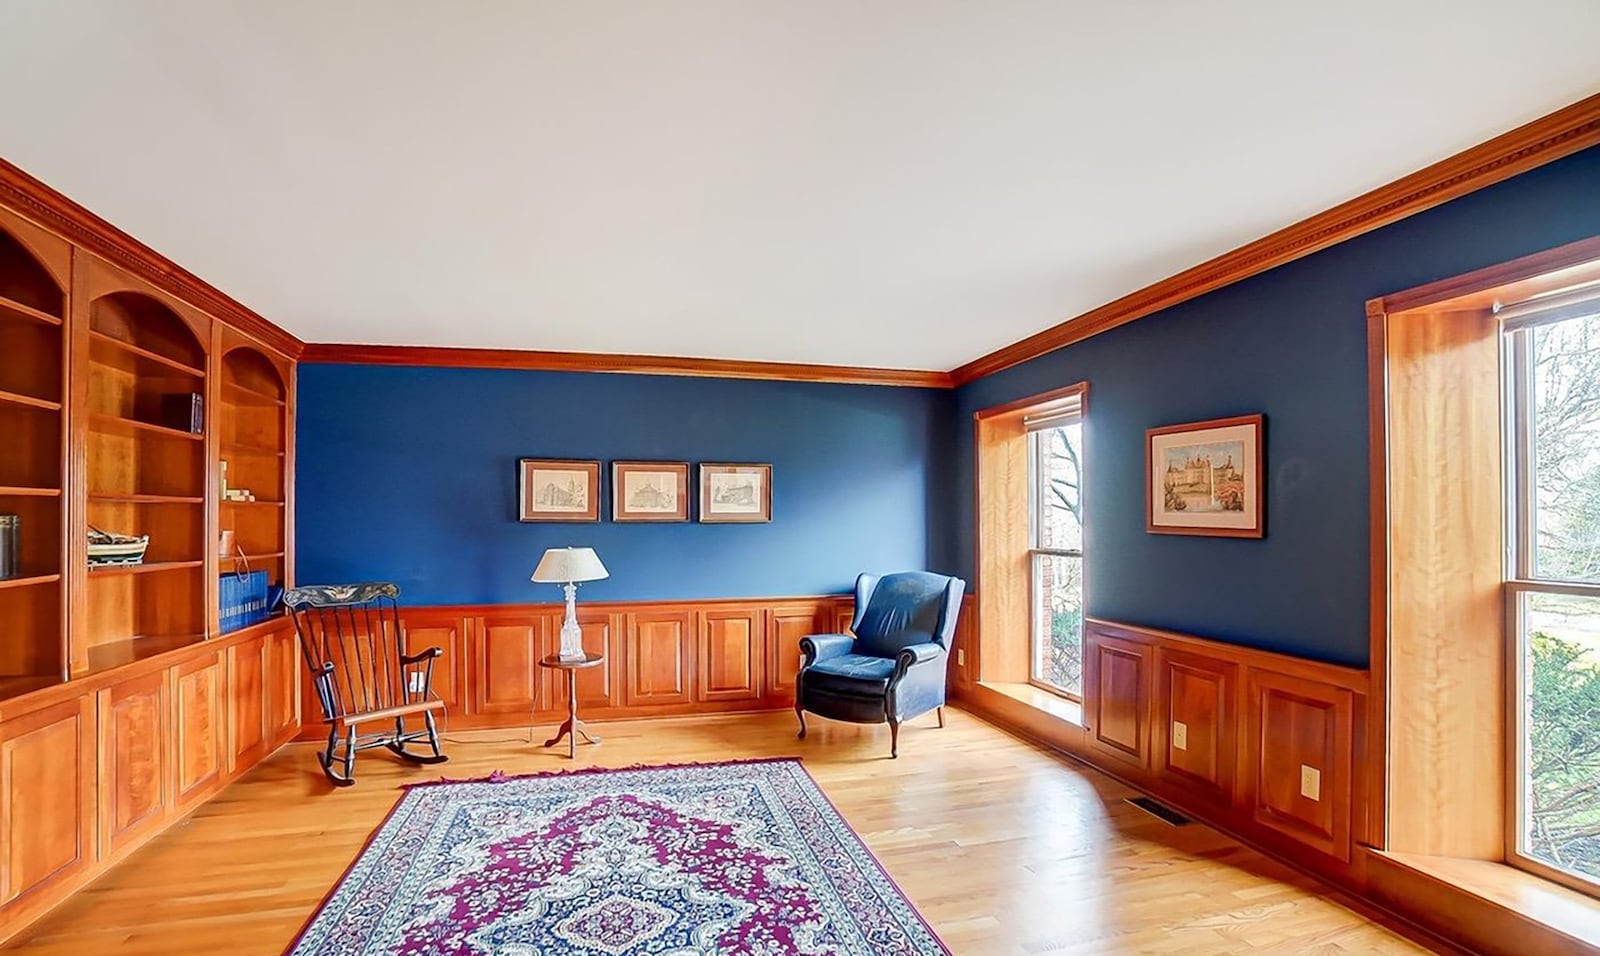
556, 490
649, 491
1205, 478
735, 493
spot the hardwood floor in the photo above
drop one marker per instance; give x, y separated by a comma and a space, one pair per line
1007, 850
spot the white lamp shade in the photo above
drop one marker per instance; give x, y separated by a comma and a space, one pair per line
560, 565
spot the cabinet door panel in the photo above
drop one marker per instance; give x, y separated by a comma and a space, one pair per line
47, 780
732, 648
247, 704
133, 760
506, 675
283, 685
198, 735
659, 658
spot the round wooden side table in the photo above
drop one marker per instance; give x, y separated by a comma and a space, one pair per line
573, 726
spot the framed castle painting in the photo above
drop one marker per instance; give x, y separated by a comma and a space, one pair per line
649, 491
735, 493
551, 489
1205, 478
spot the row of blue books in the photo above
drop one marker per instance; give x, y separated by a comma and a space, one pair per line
244, 600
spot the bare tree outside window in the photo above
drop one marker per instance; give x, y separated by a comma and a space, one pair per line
1555, 592
1058, 558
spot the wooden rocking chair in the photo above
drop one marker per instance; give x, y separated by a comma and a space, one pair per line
356, 649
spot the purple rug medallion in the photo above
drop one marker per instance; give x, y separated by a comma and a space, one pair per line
733, 858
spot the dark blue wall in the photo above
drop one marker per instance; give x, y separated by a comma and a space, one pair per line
409, 475
1290, 343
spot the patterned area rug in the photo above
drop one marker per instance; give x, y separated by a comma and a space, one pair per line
735, 858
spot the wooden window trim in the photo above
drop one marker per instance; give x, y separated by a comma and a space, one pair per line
1003, 544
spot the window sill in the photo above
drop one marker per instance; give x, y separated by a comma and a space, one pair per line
1052, 704
1552, 906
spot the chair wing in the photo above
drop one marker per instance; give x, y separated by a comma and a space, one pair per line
905, 608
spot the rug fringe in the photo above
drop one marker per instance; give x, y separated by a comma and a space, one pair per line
498, 776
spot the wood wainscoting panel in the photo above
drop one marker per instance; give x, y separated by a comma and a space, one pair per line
786, 626
660, 658
248, 734
732, 646
1196, 727
134, 780
1117, 697
598, 687
47, 782
446, 631
843, 615
1300, 746
506, 678
198, 735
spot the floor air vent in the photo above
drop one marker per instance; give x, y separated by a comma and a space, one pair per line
1160, 811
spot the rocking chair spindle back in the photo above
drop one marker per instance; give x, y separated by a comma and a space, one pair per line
355, 648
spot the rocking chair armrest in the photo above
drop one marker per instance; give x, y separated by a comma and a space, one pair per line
426, 654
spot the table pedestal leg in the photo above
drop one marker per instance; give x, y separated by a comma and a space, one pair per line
572, 726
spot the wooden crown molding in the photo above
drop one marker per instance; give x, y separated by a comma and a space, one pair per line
59, 214
1545, 140
1542, 141
606, 362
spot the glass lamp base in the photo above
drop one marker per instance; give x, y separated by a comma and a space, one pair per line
571, 633
571, 641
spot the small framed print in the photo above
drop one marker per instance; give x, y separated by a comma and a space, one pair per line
649, 491
1204, 478
558, 490
732, 493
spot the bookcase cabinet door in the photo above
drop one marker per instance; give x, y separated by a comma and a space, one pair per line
248, 736
134, 795
199, 737
283, 685
47, 813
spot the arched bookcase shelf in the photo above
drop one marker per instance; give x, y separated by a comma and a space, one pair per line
32, 399
252, 418
146, 474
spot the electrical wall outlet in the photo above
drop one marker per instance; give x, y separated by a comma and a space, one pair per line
417, 683
1180, 735
961, 657
1310, 782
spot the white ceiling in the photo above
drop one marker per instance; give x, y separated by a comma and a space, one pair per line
899, 183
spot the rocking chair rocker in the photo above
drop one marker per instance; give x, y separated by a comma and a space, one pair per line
356, 649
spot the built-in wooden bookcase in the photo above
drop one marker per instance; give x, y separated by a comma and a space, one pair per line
145, 473
253, 442
33, 310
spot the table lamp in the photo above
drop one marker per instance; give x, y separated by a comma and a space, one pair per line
568, 566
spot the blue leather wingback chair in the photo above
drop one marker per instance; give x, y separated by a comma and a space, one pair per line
893, 669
